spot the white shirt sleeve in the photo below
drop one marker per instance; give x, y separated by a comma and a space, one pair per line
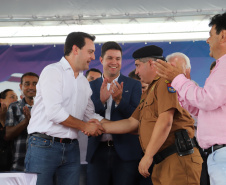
90, 112
51, 90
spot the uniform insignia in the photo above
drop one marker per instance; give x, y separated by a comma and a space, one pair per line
157, 78
167, 81
169, 87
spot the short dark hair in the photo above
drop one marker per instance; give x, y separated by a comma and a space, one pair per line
220, 21
28, 74
76, 38
133, 75
110, 45
94, 70
4, 93
212, 65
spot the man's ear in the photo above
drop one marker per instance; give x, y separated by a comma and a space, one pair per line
101, 60
223, 36
20, 86
75, 49
150, 62
188, 73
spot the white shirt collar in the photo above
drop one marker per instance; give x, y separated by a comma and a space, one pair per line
65, 64
116, 79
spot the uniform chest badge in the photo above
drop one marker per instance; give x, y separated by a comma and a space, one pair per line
169, 87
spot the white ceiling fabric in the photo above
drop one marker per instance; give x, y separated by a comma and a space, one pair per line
74, 8
32, 13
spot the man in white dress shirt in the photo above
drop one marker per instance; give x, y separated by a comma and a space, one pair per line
62, 107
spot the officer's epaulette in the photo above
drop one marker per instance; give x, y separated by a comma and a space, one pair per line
157, 78
169, 87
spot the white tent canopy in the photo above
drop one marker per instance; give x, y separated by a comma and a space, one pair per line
49, 21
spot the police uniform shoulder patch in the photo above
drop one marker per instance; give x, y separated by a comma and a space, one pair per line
169, 87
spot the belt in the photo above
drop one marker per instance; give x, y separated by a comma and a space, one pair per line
109, 143
160, 156
214, 148
56, 139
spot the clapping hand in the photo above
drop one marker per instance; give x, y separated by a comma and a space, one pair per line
168, 71
116, 90
27, 114
104, 92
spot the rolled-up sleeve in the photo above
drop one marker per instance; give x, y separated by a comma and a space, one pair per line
90, 112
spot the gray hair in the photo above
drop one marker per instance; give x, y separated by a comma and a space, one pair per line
178, 54
146, 59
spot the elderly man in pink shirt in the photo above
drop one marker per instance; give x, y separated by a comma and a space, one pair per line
209, 102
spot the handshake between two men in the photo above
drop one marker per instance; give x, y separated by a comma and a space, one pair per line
124, 126
94, 128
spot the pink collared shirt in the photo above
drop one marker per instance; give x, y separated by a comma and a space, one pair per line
208, 103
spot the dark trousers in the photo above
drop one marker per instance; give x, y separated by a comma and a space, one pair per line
106, 168
205, 179
147, 181
83, 174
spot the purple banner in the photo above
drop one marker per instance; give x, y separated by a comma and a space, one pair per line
27, 58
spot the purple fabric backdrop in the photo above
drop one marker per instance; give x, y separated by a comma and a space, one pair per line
26, 58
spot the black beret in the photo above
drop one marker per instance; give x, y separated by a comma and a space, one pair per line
149, 51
